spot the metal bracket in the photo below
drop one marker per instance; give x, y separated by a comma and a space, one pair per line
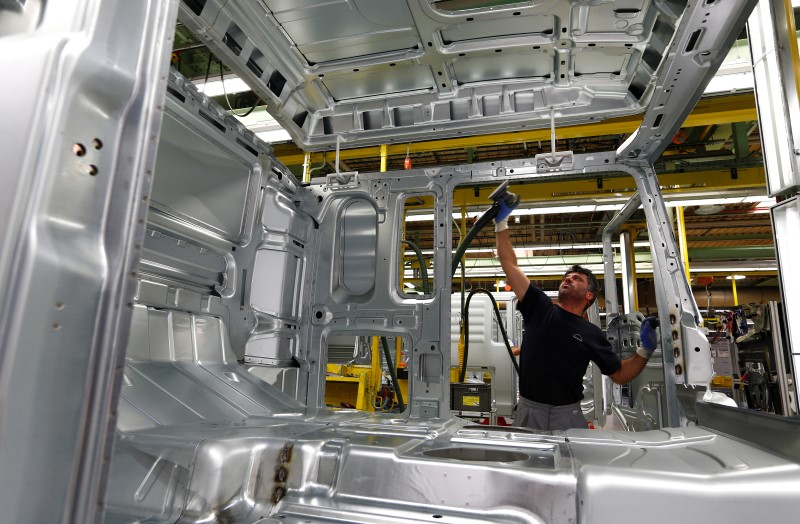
550, 162
344, 180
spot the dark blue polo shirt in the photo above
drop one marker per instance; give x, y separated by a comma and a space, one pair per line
556, 351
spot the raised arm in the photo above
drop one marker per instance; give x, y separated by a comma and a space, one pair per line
508, 259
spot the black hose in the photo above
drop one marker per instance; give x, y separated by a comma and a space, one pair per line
480, 224
466, 332
393, 373
423, 268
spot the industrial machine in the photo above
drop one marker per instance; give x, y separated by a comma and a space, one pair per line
172, 292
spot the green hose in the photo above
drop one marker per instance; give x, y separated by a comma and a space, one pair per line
423, 268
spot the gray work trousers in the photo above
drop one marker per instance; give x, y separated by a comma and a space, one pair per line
546, 417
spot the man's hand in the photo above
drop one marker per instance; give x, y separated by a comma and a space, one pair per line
501, 220
649, 337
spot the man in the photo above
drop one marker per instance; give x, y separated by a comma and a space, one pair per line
559, 343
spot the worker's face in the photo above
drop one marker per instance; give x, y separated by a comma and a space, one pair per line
575, 286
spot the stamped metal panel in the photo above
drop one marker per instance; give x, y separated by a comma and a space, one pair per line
200, 182
352, 281
674, 474
82, 101
277, 279
391, 70
181, 368
362, 469
220, 205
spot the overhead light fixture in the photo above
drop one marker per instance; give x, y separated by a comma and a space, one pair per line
520, 251
712, 209
735, 277
233, 84
557, 269
278, 135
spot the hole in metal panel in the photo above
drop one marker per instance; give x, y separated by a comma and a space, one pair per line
232, 38
174, 92
252, 65
211, 120
250, 149
692, 42
276, 82
657, 121
195, 6
300, 118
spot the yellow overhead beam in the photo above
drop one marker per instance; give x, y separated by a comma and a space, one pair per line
719, 110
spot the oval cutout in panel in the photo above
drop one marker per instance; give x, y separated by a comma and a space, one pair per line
358, 232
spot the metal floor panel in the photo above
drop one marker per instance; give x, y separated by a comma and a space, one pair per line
325, 472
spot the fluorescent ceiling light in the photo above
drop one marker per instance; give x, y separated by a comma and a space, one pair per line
233, 84
521, 251
761, 199
278, 135
730, 83
736, 277
645, 268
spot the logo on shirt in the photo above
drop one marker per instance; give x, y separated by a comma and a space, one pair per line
578, 337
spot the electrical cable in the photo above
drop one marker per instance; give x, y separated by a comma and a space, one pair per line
463, 372
208, 70
222, 80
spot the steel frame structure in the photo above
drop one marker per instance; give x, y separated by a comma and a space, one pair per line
138, 280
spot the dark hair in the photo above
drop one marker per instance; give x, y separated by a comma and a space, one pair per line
594, 286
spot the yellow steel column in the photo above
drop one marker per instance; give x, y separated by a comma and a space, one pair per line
384, 156
735, 295
682, 242
307, 167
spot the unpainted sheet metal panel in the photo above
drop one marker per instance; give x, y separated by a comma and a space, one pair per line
81, 103
390, 70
